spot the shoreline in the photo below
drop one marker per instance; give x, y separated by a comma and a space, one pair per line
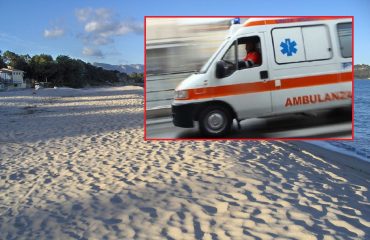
337, 157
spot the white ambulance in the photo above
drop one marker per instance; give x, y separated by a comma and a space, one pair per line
295, 64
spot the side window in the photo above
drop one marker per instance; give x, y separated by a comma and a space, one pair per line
345, 39
229, 60
249, 52
243, 53
230, 54
300, 44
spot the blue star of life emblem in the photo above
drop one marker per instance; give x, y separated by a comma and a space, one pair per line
288, 47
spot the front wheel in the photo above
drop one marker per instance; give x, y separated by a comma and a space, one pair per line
215, 121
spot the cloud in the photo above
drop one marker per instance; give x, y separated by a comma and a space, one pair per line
87, 14
83, 14
102, 25
104, 13
54, 33
96, 40
91, 52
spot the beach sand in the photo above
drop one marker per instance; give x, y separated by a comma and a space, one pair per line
74, 165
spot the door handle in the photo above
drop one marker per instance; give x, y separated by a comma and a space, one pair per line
264, 74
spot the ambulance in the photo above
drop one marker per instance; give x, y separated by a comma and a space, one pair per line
302, 64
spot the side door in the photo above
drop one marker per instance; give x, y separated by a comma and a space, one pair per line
305, 70
246, 84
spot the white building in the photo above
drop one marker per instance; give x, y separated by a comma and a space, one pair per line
12, 78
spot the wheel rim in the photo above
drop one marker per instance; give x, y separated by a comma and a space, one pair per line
215, 121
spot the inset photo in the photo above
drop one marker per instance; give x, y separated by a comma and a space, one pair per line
240, 77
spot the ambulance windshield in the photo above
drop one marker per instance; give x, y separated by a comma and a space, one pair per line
205, 67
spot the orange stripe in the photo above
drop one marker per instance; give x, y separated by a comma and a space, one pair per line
287, 20
255, 87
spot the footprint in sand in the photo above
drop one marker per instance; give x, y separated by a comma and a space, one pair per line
47, 180
133, 196
187, 188
209, 209
112, 221
116, 199
77, 207
239, 184
152, 211
17, 176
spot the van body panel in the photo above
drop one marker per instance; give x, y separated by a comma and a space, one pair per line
193, 81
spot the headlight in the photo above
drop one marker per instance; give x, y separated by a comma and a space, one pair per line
182, 94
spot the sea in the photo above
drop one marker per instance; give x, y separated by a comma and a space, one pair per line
360, 146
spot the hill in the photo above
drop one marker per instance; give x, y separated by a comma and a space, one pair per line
128, 69
362, 71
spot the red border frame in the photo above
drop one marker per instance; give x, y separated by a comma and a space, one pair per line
249, 139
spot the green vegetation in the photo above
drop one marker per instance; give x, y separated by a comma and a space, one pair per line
64, 71
362, 71
2, 63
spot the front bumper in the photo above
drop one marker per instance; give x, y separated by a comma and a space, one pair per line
182, 115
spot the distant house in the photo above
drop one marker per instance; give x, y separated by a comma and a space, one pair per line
11, 78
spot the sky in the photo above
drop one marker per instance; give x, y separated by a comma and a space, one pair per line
111, 31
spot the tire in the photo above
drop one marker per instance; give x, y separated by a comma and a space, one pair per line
215, 121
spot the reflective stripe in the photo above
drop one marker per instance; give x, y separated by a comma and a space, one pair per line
287, 20
255, 87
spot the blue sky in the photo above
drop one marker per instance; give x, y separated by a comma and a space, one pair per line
111, 31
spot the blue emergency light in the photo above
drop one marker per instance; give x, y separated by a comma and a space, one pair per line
235, 21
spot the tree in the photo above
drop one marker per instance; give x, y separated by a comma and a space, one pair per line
43, 68
137, 77
23, 64
20, 62
10, 58
71, 72
2, 63
64, 70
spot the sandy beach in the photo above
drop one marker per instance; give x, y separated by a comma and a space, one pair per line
74, 165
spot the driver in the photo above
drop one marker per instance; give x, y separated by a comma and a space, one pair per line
253, 57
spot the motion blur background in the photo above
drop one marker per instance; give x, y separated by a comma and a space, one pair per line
177, 47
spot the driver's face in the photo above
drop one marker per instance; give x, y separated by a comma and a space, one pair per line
249, 46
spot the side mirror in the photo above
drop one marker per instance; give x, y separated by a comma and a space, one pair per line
220, 69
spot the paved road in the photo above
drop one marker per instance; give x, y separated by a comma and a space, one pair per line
323, 124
